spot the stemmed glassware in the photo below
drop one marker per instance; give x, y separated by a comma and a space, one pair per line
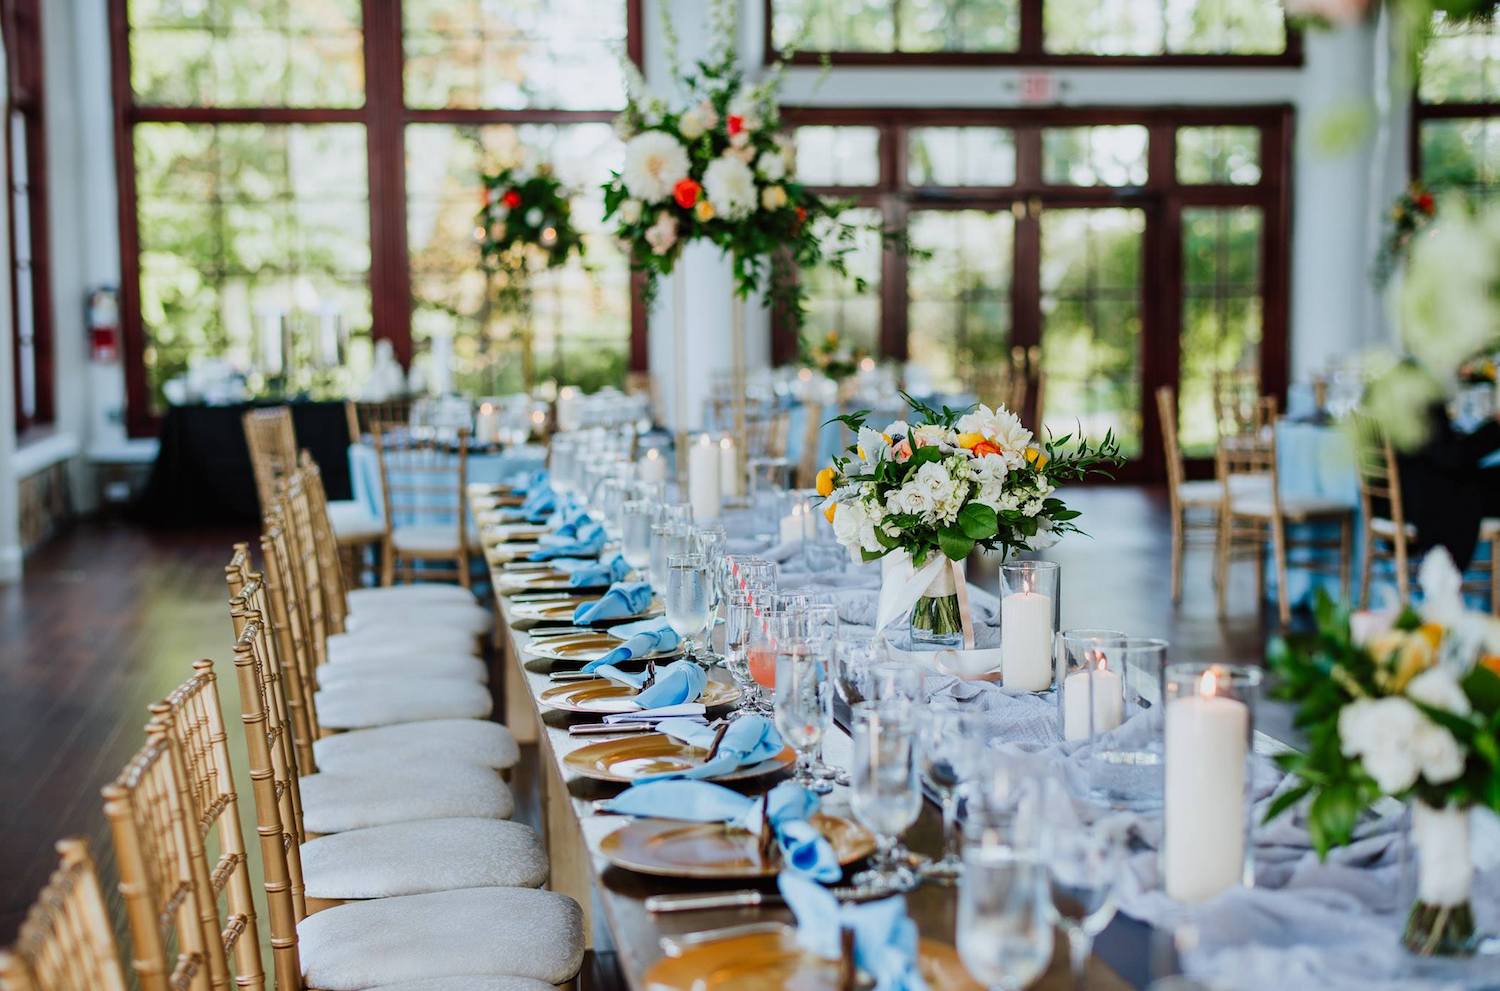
688, 598
635, 534
709, 541
1004, 932
885, 795
802, 707
821, 620
740, 618
667, 539
854, 661
951, 739
1083, 870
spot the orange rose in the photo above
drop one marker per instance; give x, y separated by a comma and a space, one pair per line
985, 447
1491, 661
969, 441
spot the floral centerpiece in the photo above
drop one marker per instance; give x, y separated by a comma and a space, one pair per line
1408, 217
945, 481
1405, 705
831, 356
717, 167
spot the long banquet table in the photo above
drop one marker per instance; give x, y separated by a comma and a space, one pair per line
625, 937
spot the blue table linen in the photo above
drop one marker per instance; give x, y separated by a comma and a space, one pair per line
678, 682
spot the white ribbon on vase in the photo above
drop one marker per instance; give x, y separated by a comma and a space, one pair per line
902, 583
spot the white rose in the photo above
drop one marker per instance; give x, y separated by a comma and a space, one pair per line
1437, 688
630, 211
692, 125
1438, 755
662, 234
654, 162
1381, 732
730, 185
773, 198
1002, 428
855, 529
771, 165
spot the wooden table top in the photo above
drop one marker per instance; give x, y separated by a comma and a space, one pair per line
622, 928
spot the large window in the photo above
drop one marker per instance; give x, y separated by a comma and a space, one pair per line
1103, 252
999, 32
1456, 115
292, 170
26, 200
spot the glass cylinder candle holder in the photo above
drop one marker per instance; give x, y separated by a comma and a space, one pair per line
1090, 689
1028, 623
1125, 761
1208, 725
770, 478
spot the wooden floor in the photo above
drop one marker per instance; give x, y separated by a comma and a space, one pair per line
109, 617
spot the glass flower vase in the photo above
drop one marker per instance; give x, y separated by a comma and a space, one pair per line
935, 619
1441, 920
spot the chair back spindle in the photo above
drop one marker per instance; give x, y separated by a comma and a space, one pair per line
66, 942
273, 449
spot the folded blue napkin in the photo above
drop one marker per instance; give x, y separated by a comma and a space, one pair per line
623, 599
588, 542
661, 640
804, 851
748, 741
540, 504
567, 522
678, 682
627, 630
584, 573
885, 938
525, 482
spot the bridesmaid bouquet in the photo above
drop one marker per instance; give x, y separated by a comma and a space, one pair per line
1405, 705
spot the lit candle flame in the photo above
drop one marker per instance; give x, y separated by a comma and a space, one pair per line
1101, 666
1209, 683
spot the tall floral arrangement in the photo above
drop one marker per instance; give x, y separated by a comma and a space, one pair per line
831, 355
1405, 706
1408, 217
717, 167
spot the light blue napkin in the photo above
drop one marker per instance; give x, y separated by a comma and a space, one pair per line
623, 599
524, 483
678, 682
584, 573
804, 851
748, 741
568, 517
588, 542
540, 503
885, 938
627, 630
661, 640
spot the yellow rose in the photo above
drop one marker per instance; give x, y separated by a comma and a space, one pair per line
1036, 456
825, 482
828, 513
704, 211
1401, 656
773, 198
969, 441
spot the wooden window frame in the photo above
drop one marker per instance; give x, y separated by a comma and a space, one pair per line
21, 22
1031, 51
384, 116
1162, 197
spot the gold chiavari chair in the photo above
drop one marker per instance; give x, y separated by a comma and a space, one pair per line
66, 942
273, 449
812, 436
153, 848
423, 484
365, 415
1193, 505
1239, 407
1253, 512
325, 944
192, 723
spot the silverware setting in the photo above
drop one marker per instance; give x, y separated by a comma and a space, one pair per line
676, 946
694, 902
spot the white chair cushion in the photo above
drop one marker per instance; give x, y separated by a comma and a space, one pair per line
1204, 493
345, 647
403, 596
368, 702
412, 858
417, 665
469, 984
1387, 528
431, 538
518, 932
470, 741
352, 522
336, 801
470, 617
1291, 507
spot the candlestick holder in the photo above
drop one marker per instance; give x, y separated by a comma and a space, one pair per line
1028, 622
1208, 728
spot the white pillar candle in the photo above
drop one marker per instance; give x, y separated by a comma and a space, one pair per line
793, 524
703, 479
272, 358
567, 408
440, 372
1108, 701
652, 468
1203, 850
330, 337
486, 424
1026, 641
729, 468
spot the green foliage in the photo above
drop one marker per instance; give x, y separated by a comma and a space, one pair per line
526, 222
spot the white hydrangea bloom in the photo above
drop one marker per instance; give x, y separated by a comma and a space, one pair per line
730, 187
1380, 733
654, 162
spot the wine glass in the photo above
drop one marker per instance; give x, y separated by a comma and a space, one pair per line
1004, 933
740, 618
635, 534
854, 659
709, 541
885, 795
675, 512
894, 680
667, 539
760, 652
687, 598
821, 620
1083, 870
951, 738
802, 707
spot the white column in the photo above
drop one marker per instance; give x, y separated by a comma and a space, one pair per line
10, 520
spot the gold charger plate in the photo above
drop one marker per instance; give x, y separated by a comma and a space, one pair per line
503, 553
772, 961
561, 610
513, 533
673, 848
632, 757
585, 647
604, 697
550, 580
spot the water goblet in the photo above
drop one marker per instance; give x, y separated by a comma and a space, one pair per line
1004, 933
885, 794
1083, 870
951, 740
667, 539
802, 707
854, 661
740, 618
635, 534
687, 598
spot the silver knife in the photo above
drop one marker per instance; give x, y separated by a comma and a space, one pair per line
606, 729
675, 946
695, 901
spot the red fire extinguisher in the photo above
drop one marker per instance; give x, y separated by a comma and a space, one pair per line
104, 325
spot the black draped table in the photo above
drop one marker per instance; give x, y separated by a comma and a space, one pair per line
202, 475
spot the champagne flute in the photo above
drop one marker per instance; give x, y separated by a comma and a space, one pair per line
739, 620
1004, 934
802, 707
709, 541
885, 795
687, 598
1083, 869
